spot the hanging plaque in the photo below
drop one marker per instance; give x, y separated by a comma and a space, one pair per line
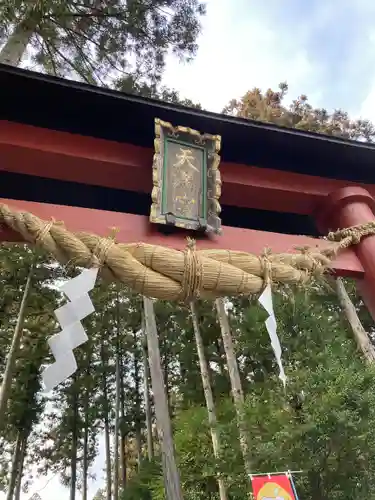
186, 178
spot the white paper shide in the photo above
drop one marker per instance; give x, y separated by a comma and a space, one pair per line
72, 335
266, 301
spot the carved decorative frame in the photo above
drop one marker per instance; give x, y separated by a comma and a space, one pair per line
209, 206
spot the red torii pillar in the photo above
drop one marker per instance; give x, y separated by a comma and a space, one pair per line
348, 207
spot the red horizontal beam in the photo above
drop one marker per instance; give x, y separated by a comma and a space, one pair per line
60, 155
136, 228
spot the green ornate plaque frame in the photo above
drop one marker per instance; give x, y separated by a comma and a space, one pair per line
186, 178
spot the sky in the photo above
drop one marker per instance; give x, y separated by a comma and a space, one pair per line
322, 48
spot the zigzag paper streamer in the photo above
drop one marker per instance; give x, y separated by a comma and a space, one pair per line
266, 301
72, 334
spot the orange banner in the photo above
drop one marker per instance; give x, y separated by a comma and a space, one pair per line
276, 487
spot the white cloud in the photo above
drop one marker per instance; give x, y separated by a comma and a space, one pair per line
320, 51
367, 109
235, 54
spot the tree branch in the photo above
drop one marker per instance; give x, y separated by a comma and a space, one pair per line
43, 42
107, 57
70, 64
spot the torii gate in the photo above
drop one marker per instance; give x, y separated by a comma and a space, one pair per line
83, 155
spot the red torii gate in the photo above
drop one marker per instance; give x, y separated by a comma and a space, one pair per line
64, 143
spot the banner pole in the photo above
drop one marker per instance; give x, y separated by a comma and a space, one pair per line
293, 487
277, 473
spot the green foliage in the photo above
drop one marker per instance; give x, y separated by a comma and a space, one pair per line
300, 114
322, 425
138, 487
132, 84
26, 404
104, 39
196, 461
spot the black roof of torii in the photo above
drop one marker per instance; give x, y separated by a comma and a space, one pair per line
59, 104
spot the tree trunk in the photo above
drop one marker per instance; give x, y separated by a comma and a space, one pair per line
12, 356
123, 462
360, 334
146, 385
123, 433
15, 467
73, 459
16, 45
212, 419
85, 447
116, 465
108, 458
138, 437
106, 428
172, 484
220, 356
86, 409
235, 380
22, 456
165, 363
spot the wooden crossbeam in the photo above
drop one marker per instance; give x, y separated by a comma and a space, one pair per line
136, 228
60, 155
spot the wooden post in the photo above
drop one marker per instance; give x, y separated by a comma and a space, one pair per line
212, 419
116, 464
172, 483
235, 380
12, 355
360, 334
146, 375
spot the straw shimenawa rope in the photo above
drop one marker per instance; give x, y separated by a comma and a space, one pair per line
169, 274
